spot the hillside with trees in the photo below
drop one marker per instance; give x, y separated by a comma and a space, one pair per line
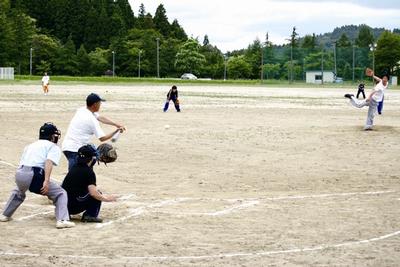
85, 37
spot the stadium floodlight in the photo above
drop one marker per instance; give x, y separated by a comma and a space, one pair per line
113, 63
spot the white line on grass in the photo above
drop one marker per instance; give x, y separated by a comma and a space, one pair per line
204, 257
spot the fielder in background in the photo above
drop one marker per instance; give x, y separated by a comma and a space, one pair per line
172, 95
45, 83
34, 173
373, 99
80, 184
84, 125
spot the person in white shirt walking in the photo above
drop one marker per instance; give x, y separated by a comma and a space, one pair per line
45, 83
373, 99
83, 126
34, 173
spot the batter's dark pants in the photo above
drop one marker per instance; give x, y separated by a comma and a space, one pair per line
72, 158
361, 92
175, 103
87, 204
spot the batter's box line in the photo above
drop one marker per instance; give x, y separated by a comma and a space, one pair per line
141, 210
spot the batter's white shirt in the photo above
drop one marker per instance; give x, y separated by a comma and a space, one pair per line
379, 91
45, 80
36, 154
82, 127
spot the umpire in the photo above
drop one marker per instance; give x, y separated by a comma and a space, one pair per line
80, 184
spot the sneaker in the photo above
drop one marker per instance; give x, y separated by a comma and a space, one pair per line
368, 128
348, 96
90, 219
4, 218
64, 224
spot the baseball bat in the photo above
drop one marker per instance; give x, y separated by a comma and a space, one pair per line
115, 137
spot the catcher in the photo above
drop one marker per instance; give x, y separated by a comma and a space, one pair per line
80, 183
172, 95
373, 99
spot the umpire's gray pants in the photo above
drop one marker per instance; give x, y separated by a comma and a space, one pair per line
23, 179
372, 108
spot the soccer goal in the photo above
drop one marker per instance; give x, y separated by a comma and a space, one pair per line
6, 73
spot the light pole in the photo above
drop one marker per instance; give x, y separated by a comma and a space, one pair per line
291, 62
158, 57
225, 59
262, 63
334, 57
373, 47
113, 66
30, 61
354, 60
140, 52
322, 67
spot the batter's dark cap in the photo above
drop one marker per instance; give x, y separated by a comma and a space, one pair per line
92, 99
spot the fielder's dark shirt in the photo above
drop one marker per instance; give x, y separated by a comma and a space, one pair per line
172, 94
361, 87
77, 181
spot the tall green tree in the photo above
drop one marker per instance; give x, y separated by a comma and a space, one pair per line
189, 58
365, 37
238, 68
66, 62
387, 55
161, 21
83, 61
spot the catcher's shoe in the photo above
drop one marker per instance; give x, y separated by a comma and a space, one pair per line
4, 218
91, 219
349, 96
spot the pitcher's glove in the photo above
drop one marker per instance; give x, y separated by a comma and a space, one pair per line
107, 153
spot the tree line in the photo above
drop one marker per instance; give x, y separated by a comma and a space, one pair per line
85, 38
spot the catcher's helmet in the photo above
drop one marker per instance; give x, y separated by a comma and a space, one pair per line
47, 131
86, 153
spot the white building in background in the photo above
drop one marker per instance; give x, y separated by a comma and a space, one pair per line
316, 76
6, 73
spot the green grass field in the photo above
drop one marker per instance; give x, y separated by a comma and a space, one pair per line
27, 79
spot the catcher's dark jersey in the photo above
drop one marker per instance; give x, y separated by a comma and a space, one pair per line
77, 181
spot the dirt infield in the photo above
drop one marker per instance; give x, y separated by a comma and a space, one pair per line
244, 176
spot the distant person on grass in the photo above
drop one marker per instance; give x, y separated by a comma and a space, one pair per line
373, 99
45, 83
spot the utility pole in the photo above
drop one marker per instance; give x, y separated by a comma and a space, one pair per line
140, 52
30, 61
113, 63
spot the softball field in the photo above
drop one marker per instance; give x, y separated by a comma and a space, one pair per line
244, 176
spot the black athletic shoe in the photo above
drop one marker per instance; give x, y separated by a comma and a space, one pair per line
90, 219
348, 96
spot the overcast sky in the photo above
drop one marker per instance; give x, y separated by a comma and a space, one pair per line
234, 24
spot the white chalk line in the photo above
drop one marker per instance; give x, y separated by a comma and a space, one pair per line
8, 163
204, 257
141, 210
33, 215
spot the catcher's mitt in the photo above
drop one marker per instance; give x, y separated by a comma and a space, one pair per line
107, 153
369, 72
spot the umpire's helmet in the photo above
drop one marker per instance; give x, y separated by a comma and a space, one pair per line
47, 131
